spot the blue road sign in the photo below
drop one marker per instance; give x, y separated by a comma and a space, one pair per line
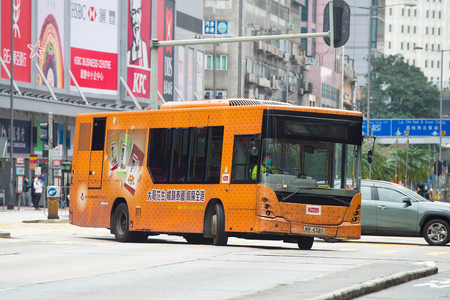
52, 192
222, 27
210, 26
401, 128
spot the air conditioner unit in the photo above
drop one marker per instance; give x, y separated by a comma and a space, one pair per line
308, 86
251, 94
208, 94
250, 78
264, 82
301, 91
221, 94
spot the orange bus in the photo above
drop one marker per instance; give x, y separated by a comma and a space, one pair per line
200, 169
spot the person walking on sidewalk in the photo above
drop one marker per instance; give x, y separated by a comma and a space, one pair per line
37, 185
26, 192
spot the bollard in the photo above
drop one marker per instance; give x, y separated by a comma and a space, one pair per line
53, 194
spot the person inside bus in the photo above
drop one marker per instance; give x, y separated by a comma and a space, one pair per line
266, 167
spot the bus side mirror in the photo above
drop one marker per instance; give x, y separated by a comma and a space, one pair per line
254, 148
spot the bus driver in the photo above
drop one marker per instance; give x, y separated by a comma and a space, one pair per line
266, 167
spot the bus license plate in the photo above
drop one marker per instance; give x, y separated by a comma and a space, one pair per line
314, 229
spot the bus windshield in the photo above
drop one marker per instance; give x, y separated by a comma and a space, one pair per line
304, 153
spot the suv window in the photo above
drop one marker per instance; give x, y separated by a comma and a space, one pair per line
366, 192
390, 195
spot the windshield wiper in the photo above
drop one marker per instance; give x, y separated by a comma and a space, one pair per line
299, 190
316, 188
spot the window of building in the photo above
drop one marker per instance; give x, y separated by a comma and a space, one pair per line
402, 29
314, 11
389, 45
407, 46
220, 63
248, 65
403, 12
261, 4
401, 45
432, 64
390, 27
426, 30
432, 30
390, 11
274, 8
426, 63
428, 14
304, 12
409, 29
414, 29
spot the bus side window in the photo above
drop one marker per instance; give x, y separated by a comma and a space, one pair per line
214, 153
243, 160
160, 141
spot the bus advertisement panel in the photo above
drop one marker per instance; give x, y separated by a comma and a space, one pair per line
207, 170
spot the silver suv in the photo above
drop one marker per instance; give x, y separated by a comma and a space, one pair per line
391, 209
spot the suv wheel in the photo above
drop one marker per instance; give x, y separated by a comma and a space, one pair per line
436, 232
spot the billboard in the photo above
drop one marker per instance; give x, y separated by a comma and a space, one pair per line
22, 38
51, 39
165, 32
93, 58
21, 135
138, 51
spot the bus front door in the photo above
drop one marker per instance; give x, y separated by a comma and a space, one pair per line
97, 150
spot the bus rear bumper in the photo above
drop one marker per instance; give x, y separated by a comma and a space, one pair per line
345, 230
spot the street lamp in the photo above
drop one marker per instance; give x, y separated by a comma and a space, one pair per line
369, 56
440, 99
287, 77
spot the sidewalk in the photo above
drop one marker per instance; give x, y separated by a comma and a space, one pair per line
30, 215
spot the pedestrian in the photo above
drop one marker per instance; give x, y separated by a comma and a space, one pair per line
37, 184
422, 191
26, 200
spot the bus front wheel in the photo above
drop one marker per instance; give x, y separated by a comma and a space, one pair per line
220, 237
305, 242
121, 224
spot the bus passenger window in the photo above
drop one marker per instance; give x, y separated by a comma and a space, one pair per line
159, 154
214, 154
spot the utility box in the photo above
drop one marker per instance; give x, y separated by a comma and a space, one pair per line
53, 194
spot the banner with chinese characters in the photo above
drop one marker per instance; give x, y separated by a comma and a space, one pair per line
22, 38
93, 60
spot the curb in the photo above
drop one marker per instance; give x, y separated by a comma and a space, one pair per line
378, 284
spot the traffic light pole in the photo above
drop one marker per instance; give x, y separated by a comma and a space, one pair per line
50, 148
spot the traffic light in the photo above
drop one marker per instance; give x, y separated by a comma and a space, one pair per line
341, 22
369, 155
54, 130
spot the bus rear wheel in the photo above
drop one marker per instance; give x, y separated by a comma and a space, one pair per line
121, 225
305, 242
220, 237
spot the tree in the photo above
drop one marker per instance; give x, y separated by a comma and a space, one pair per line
400, 91
386, 159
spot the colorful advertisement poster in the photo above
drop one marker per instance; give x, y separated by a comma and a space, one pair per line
138, 51
33, 161
22, 38
51, 39
165, 32
21, 135
93, 60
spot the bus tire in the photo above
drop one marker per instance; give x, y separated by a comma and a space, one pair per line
305, 242
220, 237
121, 221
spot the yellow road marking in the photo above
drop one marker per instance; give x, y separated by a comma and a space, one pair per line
436, 253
